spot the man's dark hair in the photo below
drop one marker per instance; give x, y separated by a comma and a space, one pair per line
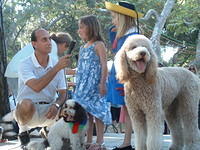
33, 36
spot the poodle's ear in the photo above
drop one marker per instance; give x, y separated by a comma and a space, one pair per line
150, 73
121, 66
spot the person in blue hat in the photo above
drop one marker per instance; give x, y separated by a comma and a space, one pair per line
125, 23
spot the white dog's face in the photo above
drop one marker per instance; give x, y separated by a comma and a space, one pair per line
137, 54
68, 111
73, 112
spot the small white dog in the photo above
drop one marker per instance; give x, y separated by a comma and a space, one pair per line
72, 126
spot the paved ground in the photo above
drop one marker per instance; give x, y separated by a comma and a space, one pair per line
111, 140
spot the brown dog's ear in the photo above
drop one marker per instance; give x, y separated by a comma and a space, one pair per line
151, 69
121, 66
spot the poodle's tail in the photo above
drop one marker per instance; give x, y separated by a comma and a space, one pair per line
38, 145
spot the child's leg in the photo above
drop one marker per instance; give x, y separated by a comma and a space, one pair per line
100, 131
90, 129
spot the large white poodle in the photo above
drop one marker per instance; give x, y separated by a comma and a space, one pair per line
154, 94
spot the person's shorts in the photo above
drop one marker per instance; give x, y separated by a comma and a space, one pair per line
39, 119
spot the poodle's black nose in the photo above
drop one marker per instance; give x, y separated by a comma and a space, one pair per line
143, 53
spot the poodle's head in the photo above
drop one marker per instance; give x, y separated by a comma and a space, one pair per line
73, 112
136, 57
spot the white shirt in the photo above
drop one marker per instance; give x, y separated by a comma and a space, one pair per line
31, 69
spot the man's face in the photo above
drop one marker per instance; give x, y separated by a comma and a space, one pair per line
43, 42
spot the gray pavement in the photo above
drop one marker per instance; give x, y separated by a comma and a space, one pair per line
111, 140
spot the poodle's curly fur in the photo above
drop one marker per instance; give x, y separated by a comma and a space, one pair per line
154, 94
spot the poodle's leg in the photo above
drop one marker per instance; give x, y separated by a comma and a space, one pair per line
140, 132
189, 115
155, 126
174, 123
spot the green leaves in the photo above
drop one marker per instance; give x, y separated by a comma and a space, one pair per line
22, 16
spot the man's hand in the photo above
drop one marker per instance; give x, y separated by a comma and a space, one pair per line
52, 112
53, 109
63, 62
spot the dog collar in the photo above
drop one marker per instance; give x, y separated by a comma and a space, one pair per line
77, 126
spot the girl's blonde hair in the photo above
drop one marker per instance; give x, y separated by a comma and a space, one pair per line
93, 26
125, 23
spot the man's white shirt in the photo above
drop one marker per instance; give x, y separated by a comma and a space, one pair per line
31, 69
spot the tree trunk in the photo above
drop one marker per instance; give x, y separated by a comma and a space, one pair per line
197, 62
4, 103
161, 19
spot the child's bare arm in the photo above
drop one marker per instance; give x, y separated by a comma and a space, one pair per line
101, 52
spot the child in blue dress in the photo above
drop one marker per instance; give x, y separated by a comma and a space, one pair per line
91, 78
125, 24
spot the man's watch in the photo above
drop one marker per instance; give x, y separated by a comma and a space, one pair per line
57, 105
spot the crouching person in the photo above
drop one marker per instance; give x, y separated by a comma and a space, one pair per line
40, 78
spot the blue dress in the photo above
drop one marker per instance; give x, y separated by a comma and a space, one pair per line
87, 85
113, 95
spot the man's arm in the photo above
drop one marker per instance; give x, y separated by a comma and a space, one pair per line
53, 109
38, 84
62, 95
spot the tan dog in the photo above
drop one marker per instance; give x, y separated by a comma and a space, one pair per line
152, 93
